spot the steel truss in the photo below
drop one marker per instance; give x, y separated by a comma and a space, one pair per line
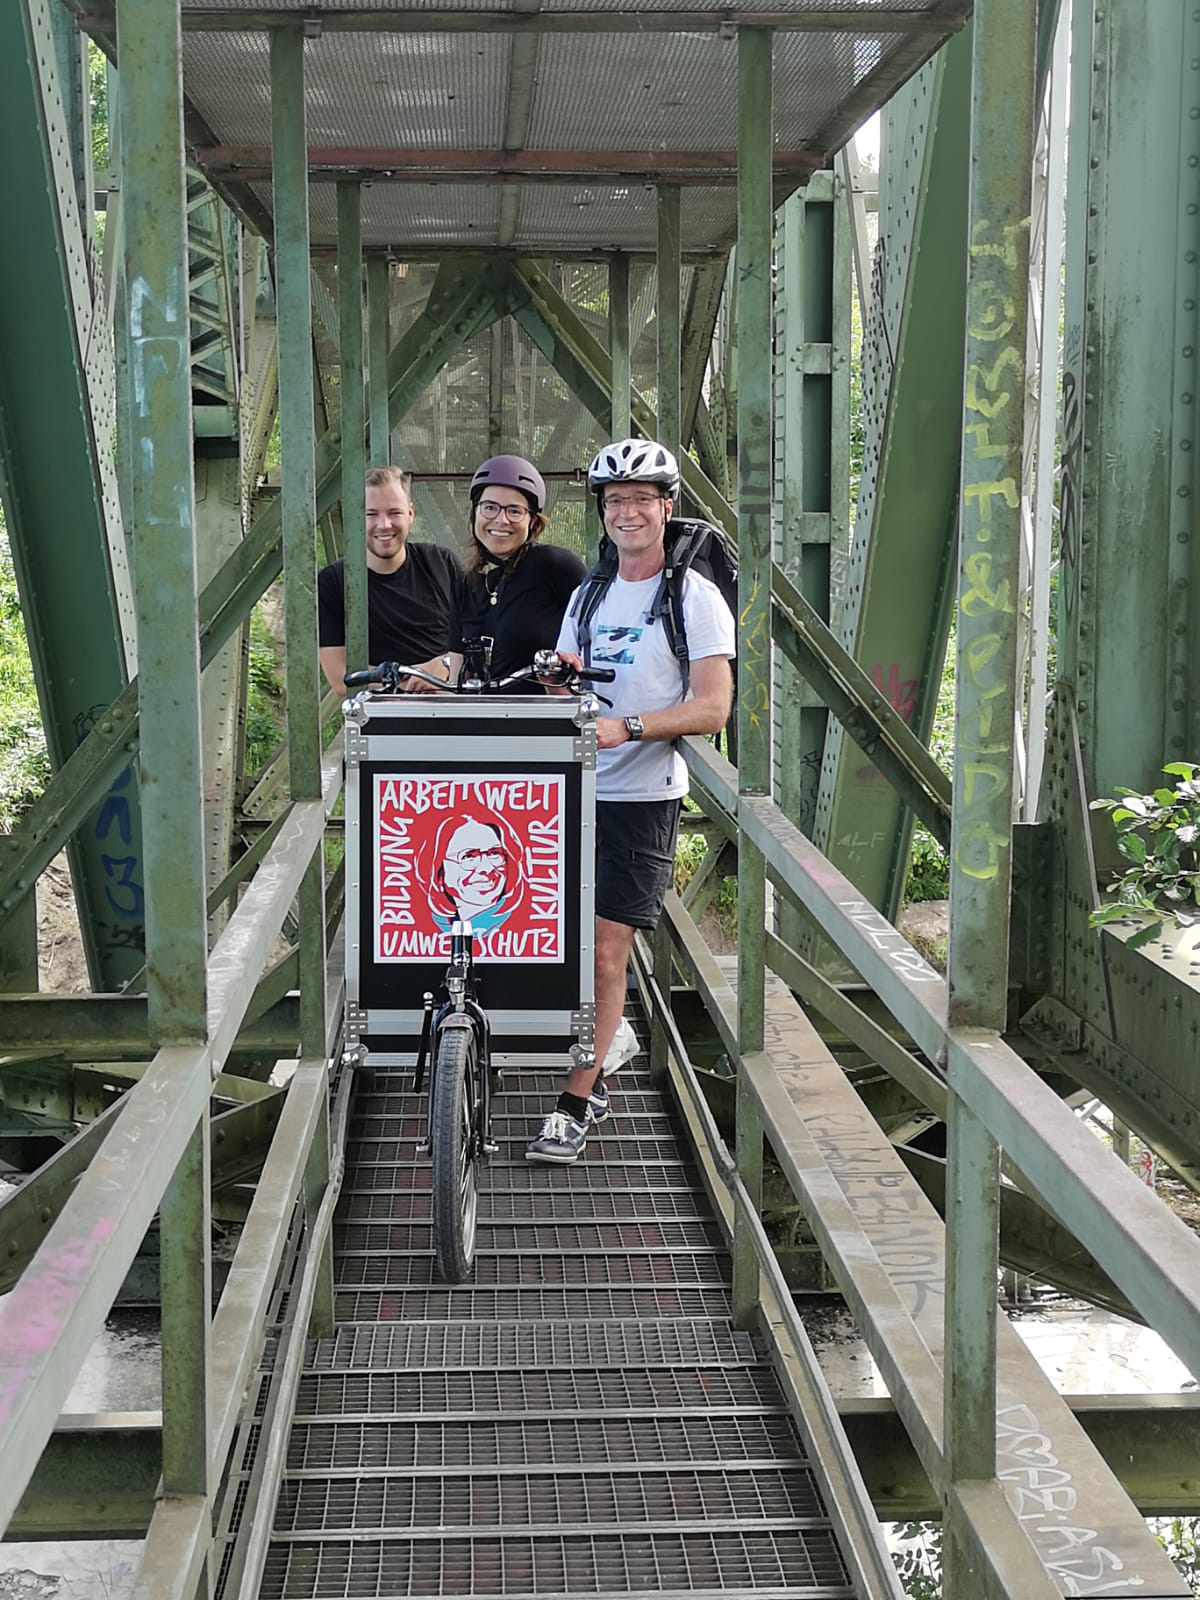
960, 1386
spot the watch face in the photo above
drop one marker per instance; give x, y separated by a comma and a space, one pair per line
633, 726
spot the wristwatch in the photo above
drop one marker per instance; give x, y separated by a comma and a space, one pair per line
633, 727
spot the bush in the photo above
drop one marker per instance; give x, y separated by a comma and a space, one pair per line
1159, 835
24, 762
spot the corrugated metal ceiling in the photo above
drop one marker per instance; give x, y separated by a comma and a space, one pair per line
578, 122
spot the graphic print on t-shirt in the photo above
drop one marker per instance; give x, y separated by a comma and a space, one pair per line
615, 646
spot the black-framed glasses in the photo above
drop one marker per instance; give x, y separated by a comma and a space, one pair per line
493, 508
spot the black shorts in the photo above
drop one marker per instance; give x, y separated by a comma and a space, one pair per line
635, 859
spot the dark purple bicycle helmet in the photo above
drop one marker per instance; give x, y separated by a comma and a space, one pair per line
510, 472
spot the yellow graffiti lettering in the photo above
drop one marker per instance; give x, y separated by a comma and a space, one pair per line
982, 447
982, 650
1008, 249
992, 315
990, 377
978, 771
985, 493
981, 596
980, 836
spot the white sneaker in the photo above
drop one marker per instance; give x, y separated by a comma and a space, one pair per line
623, 1048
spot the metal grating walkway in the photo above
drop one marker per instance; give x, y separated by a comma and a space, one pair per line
581, 1419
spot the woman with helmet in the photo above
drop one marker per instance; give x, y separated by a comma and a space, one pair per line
516, 588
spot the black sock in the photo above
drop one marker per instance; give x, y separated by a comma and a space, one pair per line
575, 1105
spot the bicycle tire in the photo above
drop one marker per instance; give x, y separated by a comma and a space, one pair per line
455, 1176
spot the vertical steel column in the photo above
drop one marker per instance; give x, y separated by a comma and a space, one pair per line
668, 321
298, 515
378, 340
1058, 92
1002, 109
754, 577
158, 438
668, 317
618, 345
354, 456
496, 389
298, 494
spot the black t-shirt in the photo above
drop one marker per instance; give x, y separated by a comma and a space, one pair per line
408, 611
529, 606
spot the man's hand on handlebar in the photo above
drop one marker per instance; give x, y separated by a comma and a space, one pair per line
552, 681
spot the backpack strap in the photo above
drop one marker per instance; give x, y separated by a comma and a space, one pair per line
591, 592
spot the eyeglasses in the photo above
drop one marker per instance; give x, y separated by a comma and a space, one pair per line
489, 859
639, 502
493, 508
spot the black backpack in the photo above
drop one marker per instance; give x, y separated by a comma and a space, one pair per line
689, 546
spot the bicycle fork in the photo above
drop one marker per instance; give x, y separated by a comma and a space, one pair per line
426, 1052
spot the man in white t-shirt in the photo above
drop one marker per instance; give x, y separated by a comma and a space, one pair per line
640, 776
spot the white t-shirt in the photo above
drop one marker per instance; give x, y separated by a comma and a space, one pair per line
648, 676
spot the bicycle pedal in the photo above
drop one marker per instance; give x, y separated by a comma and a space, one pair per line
491, 1148
423, 1147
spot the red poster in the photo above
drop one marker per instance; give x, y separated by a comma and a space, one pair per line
484, 850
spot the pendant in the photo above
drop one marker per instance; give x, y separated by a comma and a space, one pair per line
492, 600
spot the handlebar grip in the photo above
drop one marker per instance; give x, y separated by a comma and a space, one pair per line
597, 674
387, 675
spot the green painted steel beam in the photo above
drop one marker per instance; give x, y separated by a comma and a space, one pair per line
378, 345
896, 594
583, 363
668, 319
878, 730
619, 346
1031, 1241
755, 312
158, 435
1128, 396
467, 297
116, 1027
162, 518
923, 27
1002, 131
699, 326
1152, 1257
298, 494
58, 484
354, 456
98, 1476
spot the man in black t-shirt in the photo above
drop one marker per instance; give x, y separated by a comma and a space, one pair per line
410, 588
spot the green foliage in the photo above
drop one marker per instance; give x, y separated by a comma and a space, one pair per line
98, 97
919, 1563
928, 868
690, 852
1180, 1538
1158, 834
929, 865
265, 696
24, 763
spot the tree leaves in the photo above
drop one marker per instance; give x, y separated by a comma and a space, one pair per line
1157, 834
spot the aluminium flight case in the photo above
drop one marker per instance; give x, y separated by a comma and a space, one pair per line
480, 807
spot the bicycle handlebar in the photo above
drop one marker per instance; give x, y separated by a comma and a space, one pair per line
548, 667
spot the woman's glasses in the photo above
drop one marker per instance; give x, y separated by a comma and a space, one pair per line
492, 509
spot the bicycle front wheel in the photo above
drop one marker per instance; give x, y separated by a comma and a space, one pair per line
456, 1153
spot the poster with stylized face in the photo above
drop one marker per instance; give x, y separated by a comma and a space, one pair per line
488, 851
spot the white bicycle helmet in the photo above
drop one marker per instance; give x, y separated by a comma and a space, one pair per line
635, 461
